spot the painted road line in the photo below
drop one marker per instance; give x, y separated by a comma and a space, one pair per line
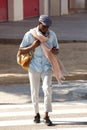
75, 128
55, 112
55, 121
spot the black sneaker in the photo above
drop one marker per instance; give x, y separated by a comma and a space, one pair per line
37, 119
47, 121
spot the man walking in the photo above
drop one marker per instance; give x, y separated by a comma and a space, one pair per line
42, 40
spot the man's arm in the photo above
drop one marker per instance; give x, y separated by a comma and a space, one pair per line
24, 50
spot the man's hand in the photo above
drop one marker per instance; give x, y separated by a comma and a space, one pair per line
54, 51
35, 44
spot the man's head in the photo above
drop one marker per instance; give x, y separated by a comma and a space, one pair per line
44, 23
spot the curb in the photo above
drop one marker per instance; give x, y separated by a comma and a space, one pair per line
18, 41
23, 78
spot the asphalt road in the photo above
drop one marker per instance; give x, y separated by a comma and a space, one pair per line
68, 28
68, 91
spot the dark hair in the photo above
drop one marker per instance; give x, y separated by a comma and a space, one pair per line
39, 23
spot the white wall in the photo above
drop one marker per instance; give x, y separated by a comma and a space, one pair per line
54, 8
44, 7
41, 7
64, 7
80, 3
15, 10
18, 10
77, 4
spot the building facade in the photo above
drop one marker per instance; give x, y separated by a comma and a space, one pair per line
14, 10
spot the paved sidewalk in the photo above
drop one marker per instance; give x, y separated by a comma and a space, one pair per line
68, 28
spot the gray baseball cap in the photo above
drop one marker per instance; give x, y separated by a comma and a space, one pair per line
45, 20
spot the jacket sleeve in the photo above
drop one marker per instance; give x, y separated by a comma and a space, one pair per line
27, 40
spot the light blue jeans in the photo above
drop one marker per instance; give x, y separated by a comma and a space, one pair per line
35, 78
